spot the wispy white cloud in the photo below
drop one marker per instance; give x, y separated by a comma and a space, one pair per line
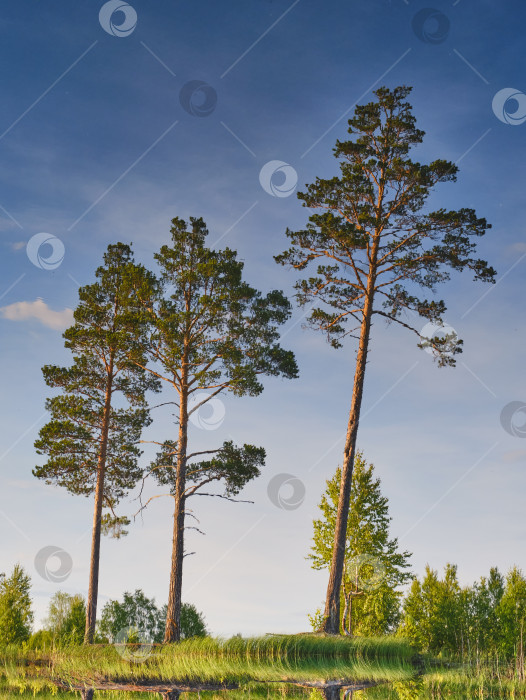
39, 310
519, 247
514, 456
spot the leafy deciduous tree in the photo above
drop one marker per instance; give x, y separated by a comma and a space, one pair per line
512, 614
192, 621
371, 557
66, 618
483, 623
432, 612
16, 615
139, 614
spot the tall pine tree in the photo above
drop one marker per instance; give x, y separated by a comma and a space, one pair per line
100, 411
375, 248
212, 334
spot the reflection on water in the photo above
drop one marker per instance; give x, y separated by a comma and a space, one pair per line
262, 669
407, 690
416, 689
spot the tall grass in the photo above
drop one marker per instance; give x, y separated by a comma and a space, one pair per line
235, 661
468, 683
271, 661
460, 684
205, 660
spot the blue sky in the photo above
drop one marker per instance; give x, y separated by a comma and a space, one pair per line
96, 146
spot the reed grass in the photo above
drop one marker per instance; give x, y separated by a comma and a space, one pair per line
460, 684
465, 683
273, 658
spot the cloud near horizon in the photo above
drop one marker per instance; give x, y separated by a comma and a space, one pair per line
39, 310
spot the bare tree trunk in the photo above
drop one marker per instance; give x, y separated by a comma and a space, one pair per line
173, 618
93, 590
87, 694
331, 621
520, 656
331, 693
345, 616
349, 631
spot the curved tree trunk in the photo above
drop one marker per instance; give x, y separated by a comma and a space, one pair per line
331, 619
93, 590
173, 618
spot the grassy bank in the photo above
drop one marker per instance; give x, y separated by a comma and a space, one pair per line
273, 658
470, 683
461, 684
